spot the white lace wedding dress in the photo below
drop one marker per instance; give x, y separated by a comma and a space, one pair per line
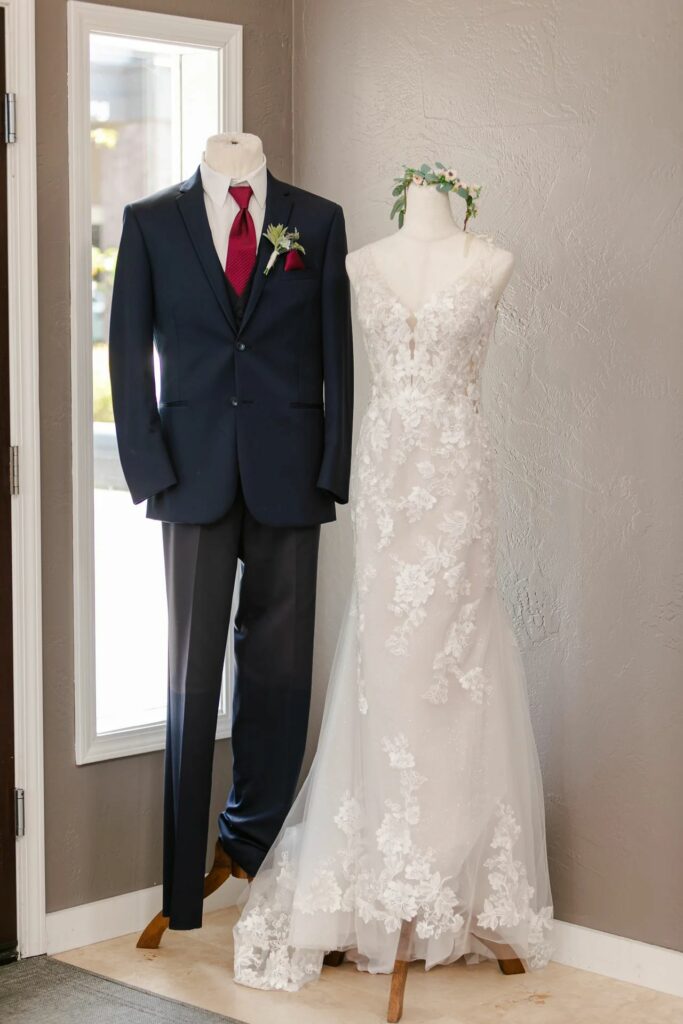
424, 803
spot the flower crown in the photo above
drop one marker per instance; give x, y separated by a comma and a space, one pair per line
444, 179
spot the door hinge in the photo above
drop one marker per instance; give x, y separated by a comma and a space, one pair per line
19, 815
10, 117
14, 469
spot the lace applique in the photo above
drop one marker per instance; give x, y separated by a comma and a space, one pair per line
423, 407
408, 887
263, 956
419, 500
448, 661
510, 901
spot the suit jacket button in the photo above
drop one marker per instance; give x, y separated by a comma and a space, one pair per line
241, 346
234, 401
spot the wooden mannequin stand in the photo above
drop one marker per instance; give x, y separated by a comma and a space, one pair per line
223, 867
509, 965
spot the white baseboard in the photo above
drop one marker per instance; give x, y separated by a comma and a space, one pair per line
610, 955
120, 915
617, 957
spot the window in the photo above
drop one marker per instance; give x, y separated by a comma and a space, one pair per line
145, 91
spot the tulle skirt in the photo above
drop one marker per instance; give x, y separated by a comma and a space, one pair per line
421, 820
441, 828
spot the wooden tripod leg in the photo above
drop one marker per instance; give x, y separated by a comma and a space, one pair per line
335, 958
221, 870
238, 872
400, 974
153, 933
397, 991
508, 965
513, 965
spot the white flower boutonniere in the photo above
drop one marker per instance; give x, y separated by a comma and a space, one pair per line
282, 240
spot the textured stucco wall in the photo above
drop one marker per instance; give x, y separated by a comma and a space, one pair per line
91, 809
568, 113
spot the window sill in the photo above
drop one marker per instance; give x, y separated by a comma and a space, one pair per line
131, 742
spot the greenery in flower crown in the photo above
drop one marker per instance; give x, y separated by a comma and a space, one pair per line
444, 180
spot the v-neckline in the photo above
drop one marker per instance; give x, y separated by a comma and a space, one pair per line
416, 315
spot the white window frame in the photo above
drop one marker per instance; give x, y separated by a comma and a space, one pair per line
84, 19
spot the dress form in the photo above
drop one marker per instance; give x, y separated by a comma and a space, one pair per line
425, 257
430, 252
234, 154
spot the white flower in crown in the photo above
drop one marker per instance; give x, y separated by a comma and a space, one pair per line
282, 240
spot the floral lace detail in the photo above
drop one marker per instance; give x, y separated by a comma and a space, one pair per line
407, 887
510, 901
424, 407
263, 956
363, 578
448, 661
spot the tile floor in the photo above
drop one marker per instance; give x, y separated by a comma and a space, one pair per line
195, 967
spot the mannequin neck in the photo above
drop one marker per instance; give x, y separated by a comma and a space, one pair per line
235, 154
428, 214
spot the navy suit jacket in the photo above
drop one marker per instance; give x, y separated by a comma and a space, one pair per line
269, 403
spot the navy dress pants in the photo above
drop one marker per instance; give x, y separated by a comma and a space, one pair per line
273, 645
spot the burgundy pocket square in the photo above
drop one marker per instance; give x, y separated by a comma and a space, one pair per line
293, 260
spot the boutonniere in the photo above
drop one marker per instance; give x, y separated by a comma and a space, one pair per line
283, 241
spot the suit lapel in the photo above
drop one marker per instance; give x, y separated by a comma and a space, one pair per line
278, 208
191, 205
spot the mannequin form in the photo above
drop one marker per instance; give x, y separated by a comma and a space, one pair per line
229, 472
426, 256
430, 252
234, 154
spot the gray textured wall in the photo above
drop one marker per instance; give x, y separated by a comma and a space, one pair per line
568, 113
90, 808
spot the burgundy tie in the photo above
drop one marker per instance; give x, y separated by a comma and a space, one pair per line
242, 241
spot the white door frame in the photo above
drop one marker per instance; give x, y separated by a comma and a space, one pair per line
25, 433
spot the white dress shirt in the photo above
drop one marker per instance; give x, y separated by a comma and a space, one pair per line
221, 208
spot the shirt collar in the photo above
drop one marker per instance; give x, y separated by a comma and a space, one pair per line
216, 185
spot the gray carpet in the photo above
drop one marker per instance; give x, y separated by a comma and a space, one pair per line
44, 991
